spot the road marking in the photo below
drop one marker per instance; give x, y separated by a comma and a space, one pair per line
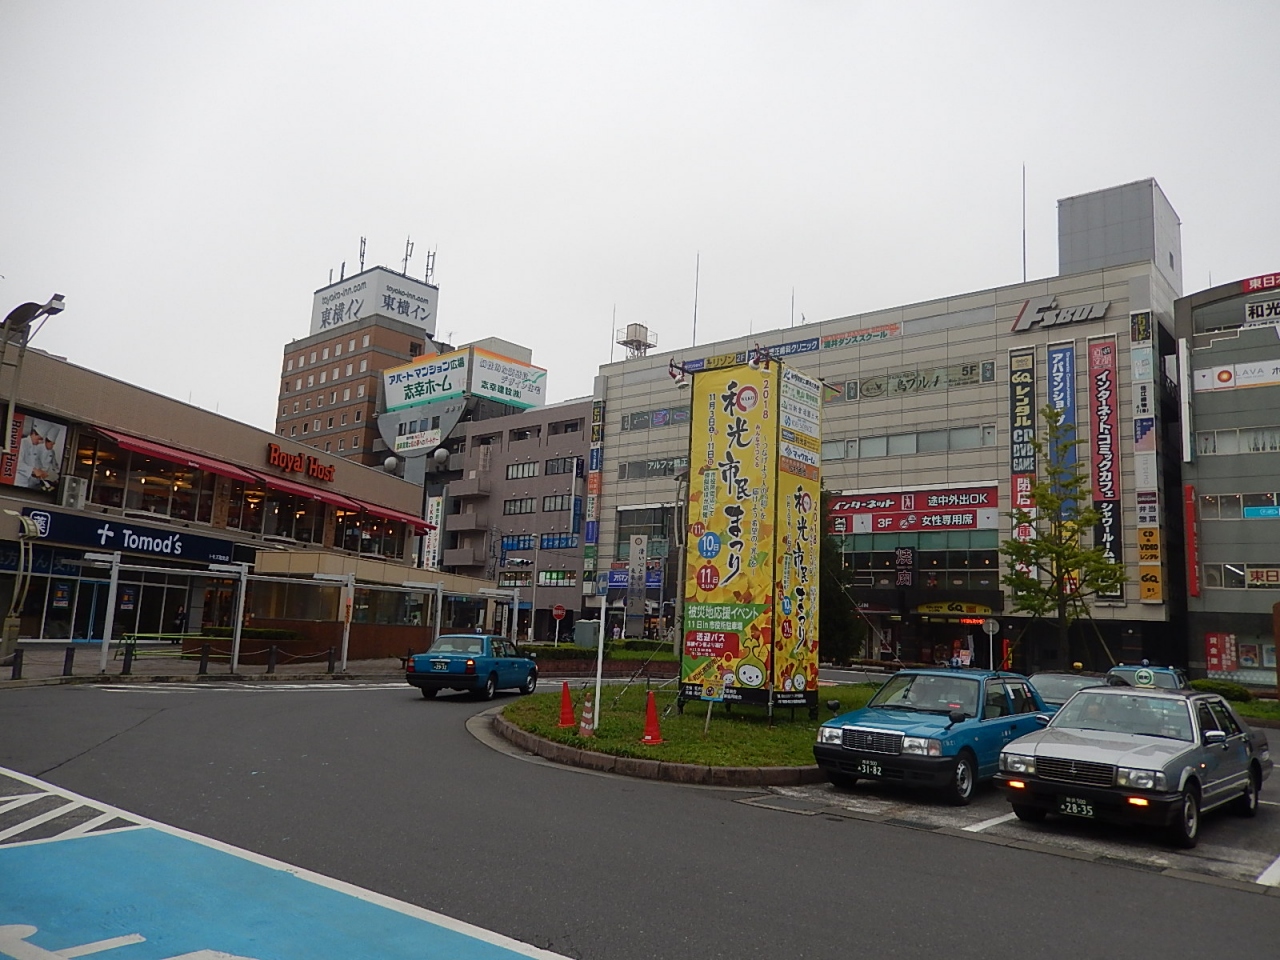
979, 827
1271, 803
88, 826
101, 945
1270, 877
210, 899
21, 801
26, 825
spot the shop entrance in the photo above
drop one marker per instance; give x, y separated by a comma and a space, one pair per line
90, 615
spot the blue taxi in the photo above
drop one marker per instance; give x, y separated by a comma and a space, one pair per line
1144, 674
480, 663
931, 728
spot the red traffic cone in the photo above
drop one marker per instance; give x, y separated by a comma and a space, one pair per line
587, 728
566, 708
652, 732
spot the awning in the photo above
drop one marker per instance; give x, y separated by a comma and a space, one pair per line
161, 452
303, 490
388, 513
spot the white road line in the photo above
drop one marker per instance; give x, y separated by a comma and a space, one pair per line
22, 801
340, 886
979, 827
82, 828
1271, 803
87, 948
36, 821
1270, 877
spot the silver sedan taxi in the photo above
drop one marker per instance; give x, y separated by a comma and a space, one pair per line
1133, 755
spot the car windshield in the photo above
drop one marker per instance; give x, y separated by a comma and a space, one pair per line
929, 693
1164, 679
458, 644
1058, 688
1126, 713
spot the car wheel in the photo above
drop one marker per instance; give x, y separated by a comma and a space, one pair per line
1029, 814
1247, 804
429, 693
489, 689
530, 682
842, 780
963, 779
1185, 829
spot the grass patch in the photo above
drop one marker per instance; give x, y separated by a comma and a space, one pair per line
1263, 709
740, 738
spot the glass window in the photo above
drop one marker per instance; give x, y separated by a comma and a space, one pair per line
342, 445
364, 365
333, 396
365, 342
360, 390
1233, 576
337, 351
346, 394
931, 441
1206, 443
327, 446
518, 471
324, 376
873, 447
519, 505
351, 344
1209, 507
288, 366
1212, 574
1228, 442
349, 369
984, 539
355, 441
851, 449
1258, 500
1229, 506
988, 434
359, 413
966, 438
902, 443
293, 431
833, 450
324, 354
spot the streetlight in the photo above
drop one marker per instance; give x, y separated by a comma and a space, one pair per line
16, 330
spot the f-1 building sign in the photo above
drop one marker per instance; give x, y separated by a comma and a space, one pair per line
110, 534
1045, 312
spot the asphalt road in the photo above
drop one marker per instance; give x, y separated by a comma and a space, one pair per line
382, 789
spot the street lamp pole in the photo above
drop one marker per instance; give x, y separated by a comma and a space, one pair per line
109, 622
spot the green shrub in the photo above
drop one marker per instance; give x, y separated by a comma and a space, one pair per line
1224, 688
562, 652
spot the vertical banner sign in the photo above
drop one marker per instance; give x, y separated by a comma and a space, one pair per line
435, 515
1142, 372
595, 466
1190, 521
795, 597
1022, 431
637, 588
729, 570
1104, 423
1062, 397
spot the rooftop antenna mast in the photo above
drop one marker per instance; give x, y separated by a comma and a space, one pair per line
408, 253
697, 271
362, 254
342, 272
431, 266
1024, 222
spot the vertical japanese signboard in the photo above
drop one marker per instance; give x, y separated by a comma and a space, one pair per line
1104, 445
1142, 368
1062, 397
637, 587
595, 466
750, 598
1022, 431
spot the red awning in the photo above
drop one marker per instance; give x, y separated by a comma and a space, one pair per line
303, 490
387, 513
161, 452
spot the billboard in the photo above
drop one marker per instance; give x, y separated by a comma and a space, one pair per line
507, 381
750, 616
941, 508
425, 380
376, 291
1104, 447
38, 445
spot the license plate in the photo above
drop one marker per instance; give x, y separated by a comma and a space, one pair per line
870, 768
1075, 807
440, 665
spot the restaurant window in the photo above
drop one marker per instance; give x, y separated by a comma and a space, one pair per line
245, 506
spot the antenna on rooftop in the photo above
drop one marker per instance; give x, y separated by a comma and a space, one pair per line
362, 254
431, 266
342, 273
408, 253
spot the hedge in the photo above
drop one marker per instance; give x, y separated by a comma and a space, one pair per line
1224, 688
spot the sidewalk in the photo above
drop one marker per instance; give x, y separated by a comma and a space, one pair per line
44, 663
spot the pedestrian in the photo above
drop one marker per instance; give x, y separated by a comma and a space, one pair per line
617, 632
179, 623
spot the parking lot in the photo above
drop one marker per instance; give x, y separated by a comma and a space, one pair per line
1232, 850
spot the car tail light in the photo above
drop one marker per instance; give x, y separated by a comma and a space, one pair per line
409, 667
471, 667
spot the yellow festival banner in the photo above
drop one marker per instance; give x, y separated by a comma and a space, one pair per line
750, 598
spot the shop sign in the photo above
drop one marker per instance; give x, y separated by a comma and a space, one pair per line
1140, 327
1264, 312
1104, 439
425, 380
302, 463
1062, 397
38, 445
1191, 532
1268, 281
1148, 508
1150, 583
1045, 312
917, 381
109, 534
621, 579
1267, 578
852, 338
1022, 426
954, 607
1257, 373
958, 508
1220, 652
423, 440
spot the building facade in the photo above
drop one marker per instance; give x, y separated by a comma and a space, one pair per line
1229, 349
928, 410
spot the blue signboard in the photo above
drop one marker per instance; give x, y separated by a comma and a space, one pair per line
618, 579
1062, 397
109, 534
1262, 513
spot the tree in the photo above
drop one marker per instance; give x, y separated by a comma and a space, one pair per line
1051, 575
841, 629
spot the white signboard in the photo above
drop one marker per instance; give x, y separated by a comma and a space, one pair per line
508, 381
375, 291
425, 380
423, 440
435, 516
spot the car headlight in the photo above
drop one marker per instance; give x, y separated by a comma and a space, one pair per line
922, 746
1140, 779
830, 735
1017, 763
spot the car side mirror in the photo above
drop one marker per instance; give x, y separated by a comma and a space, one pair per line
1042, 719
1214, 737
956, 716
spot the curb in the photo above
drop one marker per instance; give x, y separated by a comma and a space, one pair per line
690, 773
115, 678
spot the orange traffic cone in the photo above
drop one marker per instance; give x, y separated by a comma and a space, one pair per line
566, 708
587, 728
652, 733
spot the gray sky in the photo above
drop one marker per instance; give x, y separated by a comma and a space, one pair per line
187, 174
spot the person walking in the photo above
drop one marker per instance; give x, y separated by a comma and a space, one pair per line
179, 623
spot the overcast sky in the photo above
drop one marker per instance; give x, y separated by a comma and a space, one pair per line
188, 174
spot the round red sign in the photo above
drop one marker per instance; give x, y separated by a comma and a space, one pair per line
708, 577
698, 529
558, 611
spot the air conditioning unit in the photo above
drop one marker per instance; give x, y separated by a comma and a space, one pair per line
72, 492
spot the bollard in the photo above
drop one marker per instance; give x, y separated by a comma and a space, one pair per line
68, 662
17, 666
128, 660
271, 659
204, 659
332, 658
